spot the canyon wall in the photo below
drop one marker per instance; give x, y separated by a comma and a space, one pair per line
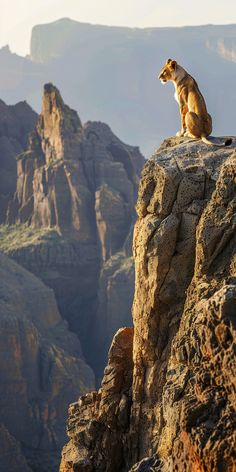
16, 122
67, 211
72, 217
167, 398
42, 369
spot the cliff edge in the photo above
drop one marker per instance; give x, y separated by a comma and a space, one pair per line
167, 399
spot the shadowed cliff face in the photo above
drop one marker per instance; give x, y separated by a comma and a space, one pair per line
115, 297
16, 122
178, 405
76, 190
42, 369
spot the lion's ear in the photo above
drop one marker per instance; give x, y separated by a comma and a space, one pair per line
173, 65
168, 61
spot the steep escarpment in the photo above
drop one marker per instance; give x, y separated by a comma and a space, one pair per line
75, 196
16, 122
174, 408
186, 402
41, 370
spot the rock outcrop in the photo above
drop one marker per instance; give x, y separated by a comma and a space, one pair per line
41, 370
175, 411
83, 180
16, 122
76, 190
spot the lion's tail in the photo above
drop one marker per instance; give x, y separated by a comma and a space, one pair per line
227, 142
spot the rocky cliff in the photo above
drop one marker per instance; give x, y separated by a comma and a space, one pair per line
16, 122
167, 399
41, 370
73, 210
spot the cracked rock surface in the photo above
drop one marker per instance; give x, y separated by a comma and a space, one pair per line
178, 413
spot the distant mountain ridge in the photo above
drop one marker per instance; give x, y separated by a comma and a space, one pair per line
64, 32
110, 74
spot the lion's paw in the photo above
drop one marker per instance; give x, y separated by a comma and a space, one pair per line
179, 134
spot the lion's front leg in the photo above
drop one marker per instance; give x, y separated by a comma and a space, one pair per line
183, 108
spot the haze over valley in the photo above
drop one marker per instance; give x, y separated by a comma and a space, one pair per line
110, 74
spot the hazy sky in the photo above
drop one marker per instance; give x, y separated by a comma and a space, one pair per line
18, 16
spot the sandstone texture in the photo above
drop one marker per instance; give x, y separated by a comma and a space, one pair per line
72, 211
178, 413
16, 122
41, 370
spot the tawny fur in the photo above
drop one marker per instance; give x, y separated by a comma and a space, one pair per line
195, 120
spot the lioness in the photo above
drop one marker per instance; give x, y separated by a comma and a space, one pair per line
195, 121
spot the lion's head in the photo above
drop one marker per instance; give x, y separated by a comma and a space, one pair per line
168, 71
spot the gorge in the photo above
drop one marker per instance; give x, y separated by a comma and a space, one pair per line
67, 210
71, 218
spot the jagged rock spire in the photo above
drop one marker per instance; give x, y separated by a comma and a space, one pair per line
58, 127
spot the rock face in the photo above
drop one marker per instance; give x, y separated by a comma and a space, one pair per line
41, 370
98, 421
16, 122
115, 297
12, 457
179, 410
76, 190
80, 179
